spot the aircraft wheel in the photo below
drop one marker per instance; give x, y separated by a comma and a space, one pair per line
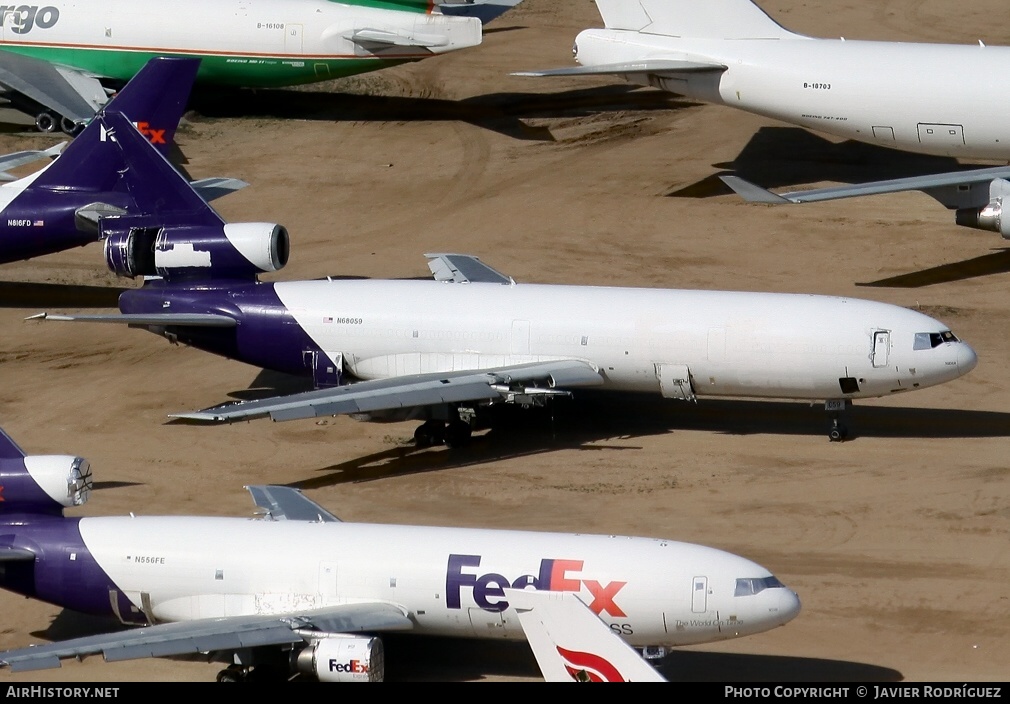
458, 434
70, 127
429, 433
838, 433
231, 674
46, 122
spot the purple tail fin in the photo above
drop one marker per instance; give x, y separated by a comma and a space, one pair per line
8, 448
154, 100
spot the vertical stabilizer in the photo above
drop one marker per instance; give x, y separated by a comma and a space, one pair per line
155, 99
572, 644
9, 449
692, 19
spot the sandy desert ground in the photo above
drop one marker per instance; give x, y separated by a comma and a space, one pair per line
898, 541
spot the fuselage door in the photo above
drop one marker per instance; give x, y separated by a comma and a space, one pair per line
883, 134
293, 39
699, 595
675, 381
939, 135
520, 341
881, 346
328, 581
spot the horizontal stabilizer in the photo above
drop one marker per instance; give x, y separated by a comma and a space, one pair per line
711, 19
484, 10
43, 82
756, 194
283, 503
216, 187
205, 320
16, 159
658, 66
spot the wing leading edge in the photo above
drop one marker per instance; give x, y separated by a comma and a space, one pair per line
473, 385
214, 635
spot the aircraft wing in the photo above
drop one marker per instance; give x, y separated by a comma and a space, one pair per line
660, 66
412, 391
213, 635
283, 503
464, 269
12, 161
572, 644
206, 320
756, 194
65, 91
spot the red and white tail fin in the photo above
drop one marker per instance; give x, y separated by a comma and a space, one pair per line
692, 19
572, 644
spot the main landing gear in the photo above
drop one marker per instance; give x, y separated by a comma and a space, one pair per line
836, 408
455, 433
48, 123
260, 673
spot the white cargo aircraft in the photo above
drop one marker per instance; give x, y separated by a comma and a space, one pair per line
927, 98
58, 58
301, 592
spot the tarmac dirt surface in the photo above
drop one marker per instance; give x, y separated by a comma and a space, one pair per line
897, 541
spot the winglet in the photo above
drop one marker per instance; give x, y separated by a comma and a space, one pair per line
753, 193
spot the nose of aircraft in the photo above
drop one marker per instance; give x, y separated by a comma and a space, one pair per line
966, 358
786, 605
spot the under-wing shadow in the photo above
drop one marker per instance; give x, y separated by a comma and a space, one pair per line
997, 262
23, 294
113, 485
590, 420
69, 624
777, 157
499, 112
413, 658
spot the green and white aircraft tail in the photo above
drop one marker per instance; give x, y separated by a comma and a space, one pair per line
56, 59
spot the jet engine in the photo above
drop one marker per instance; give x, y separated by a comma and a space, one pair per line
343, 658
989, 217
237, 250
64, 479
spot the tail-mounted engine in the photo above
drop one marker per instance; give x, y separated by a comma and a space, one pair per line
44, 483
343, 658
236, 250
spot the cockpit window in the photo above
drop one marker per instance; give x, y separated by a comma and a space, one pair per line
929, 340
748, 587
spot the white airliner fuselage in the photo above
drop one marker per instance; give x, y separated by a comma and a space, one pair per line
447, 581
682, 343
862, 90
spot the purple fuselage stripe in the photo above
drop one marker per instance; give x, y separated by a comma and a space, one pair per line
266, 336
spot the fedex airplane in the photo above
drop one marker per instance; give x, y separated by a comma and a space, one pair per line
925, 98
57, 57
58, 207
300, 592
439, 351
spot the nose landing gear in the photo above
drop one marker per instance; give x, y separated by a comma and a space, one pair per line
839, 431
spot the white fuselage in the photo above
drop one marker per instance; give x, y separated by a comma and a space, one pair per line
929, 98
446, 580
726, 343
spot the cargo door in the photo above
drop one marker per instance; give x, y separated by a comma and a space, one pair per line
327, 369
938, 135
675, 381
881, 347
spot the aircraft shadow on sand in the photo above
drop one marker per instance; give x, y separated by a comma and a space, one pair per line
499, 112
24, 294
588, 422
785, 157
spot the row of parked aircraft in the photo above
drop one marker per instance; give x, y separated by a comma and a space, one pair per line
441, 352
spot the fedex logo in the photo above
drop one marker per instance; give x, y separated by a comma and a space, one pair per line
554, 575
153, 135
354, 666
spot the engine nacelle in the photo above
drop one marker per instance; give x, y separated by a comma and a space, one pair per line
989, 217
343, 658
237, 250
63, 479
